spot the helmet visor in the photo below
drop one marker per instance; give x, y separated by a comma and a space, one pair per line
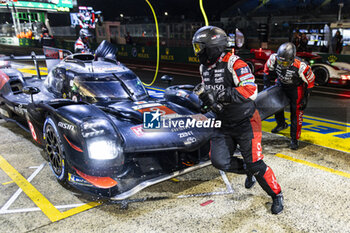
197, 48
284, 64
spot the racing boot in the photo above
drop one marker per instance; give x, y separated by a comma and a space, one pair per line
277, 204
279, 128
249, 181
294, 144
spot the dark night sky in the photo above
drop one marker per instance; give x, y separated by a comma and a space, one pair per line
189, 8
111, 9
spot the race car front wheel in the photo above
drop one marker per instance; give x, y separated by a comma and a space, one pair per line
321, 75
55, 151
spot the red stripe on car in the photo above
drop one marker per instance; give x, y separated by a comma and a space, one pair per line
98, 181
72, 145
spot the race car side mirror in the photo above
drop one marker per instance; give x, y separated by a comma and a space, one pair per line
167, 79
30, 91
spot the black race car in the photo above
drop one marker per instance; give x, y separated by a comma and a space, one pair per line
90, 112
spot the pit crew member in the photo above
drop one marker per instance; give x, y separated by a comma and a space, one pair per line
229, 92
296, 79
82, 43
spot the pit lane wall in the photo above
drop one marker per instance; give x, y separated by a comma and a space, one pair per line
140, 53
186, 55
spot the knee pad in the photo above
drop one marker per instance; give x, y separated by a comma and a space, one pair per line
257, 168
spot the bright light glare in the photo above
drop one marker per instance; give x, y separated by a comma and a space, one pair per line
345, 77
103, 150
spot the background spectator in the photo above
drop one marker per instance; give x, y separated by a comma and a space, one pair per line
296, 39
337, 42
128, 38
303, 43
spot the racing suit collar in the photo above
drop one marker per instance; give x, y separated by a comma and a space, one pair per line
217, 61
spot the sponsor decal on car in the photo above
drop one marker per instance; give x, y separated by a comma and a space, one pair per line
163, 110
190, 140
65, 126
78, 180
185, 134
138, 130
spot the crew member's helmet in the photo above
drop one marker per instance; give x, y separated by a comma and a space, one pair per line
84, 33
286, 55
208, 44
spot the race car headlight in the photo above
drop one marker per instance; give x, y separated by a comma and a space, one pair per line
101, 139
104, 149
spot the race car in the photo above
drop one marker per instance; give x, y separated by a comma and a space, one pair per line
337, 73
101, 130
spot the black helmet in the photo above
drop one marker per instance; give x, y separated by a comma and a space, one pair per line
286, 54
208, 44
84, 33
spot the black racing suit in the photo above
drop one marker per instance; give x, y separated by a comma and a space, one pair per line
296, 81
241, 123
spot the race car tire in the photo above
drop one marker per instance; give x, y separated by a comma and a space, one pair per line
321, 75
55, 151
251, 66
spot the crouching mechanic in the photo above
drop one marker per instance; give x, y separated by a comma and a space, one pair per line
296, 79
229, 92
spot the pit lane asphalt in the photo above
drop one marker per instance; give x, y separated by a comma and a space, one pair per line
317, 198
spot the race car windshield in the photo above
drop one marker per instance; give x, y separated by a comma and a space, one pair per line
110, 86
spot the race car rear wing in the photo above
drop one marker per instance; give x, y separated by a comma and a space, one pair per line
52, 56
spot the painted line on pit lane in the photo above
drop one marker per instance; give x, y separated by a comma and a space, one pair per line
40, 200
19, 191
25, 210
226, 181
318, 131
314, 165
28, 71
9, 182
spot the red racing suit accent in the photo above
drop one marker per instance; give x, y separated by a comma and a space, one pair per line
296, 81
81, 47
232, 72
241, 123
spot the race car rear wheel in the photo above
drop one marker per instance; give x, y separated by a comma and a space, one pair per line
321, 75
55, 151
